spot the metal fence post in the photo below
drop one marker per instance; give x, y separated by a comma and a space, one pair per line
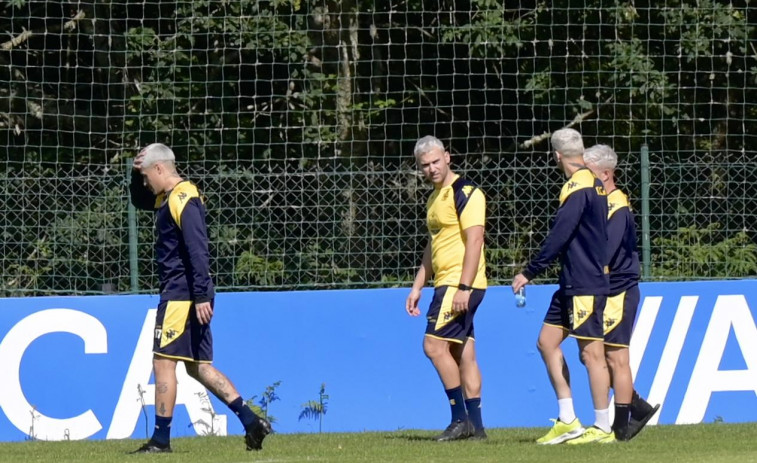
133, 267
646, 261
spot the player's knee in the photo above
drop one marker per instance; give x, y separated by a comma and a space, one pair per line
546, 347
585, 358
540, 347
592, 355
432, 348
616, 362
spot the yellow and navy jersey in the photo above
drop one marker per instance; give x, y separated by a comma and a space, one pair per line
181, 240
449, 211
622, 252
579, 236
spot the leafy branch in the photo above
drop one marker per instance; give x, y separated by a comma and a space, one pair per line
315, 409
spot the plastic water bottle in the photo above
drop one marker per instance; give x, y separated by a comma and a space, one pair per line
520, 297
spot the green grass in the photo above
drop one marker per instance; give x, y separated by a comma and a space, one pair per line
716, 442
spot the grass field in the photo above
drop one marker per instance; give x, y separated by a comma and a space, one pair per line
716, 442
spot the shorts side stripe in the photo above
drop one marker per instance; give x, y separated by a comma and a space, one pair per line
174, 321
583, 307
613, 313
445, 311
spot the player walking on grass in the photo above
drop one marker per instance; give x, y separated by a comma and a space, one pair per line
631, 411
182, 326
454, 257
579, 236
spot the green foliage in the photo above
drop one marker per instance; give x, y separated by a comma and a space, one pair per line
708, 28
539, 84
316, 409
297, 118
487, 30
503, 263
695, 251
262, 407
635, 71
254, 270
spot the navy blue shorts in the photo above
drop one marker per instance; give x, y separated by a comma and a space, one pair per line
619, 316
443, 324
179, 334
580, 316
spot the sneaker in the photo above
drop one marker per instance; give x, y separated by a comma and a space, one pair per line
593, 435
479, 434
634, 426
153, 447
455, 431
561, 432
255, 433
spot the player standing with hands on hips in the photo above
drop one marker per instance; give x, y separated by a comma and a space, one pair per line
454, 257
578, 236
182, 326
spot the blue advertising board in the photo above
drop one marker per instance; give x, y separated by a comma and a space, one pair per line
80, 367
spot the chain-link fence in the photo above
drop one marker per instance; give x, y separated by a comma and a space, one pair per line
297, 120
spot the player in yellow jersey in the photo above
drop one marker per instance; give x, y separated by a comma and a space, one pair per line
454, 258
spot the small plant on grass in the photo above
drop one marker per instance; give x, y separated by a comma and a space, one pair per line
261, 408
315, 409
210, 429
32, 433
141, 401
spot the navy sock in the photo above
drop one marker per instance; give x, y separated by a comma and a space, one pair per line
162, 432
243, 412
474, 412
457, 403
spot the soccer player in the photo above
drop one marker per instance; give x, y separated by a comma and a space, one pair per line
579, 236
454, 257
182, 326
631, 411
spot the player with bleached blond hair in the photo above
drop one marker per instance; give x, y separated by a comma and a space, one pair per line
631, 411
578, 235
182, 325
454, 257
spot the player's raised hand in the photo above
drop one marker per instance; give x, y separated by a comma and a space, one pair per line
411, 304
137, 163
204, 312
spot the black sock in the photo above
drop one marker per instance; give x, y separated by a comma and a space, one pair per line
620, 425
457, 403
474, 412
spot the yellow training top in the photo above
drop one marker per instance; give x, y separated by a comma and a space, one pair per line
450, 210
